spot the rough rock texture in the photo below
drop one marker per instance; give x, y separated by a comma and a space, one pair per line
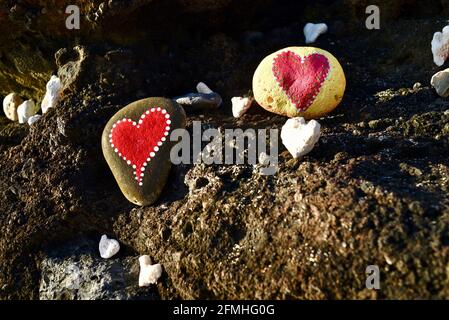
75, 271
373, 191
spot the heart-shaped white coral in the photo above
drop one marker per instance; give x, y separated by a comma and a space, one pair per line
149, 273
298, 137
440, 46
313, 30
108, 247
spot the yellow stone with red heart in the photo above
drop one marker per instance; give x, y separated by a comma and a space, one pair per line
299, 82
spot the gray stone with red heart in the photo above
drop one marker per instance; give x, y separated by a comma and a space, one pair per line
136, 145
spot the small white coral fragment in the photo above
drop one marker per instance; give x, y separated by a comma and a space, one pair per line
440, 46
108, 247
33, 119
300, 137
53, 94
10, 104
240, 105
26, 110
201, 87
149, 273
440, 81
313, 30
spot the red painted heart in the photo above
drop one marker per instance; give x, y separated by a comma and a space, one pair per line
301, 78
138, 142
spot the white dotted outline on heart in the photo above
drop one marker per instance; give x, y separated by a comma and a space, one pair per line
303, 58
152, 152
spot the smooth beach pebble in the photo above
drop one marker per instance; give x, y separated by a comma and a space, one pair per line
136, 145
299, 82
10, 104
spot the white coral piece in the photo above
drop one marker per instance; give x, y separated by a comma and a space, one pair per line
298, 137
149, 273
26, 110
313, 30
440, 81
108, 247
440, 46
53, 94
201, 87
33, 119
240, 105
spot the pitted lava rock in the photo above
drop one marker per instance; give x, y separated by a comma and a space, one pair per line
374, 191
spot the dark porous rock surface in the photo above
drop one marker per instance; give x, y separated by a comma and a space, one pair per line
75, 271
374, 190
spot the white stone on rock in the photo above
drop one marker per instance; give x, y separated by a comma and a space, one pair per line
33, 119
313, 30
10, 104
440, 81
440, 46
300, 137
26, 110
201, 87
108, 247
240, 105
53, 94
149, 273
